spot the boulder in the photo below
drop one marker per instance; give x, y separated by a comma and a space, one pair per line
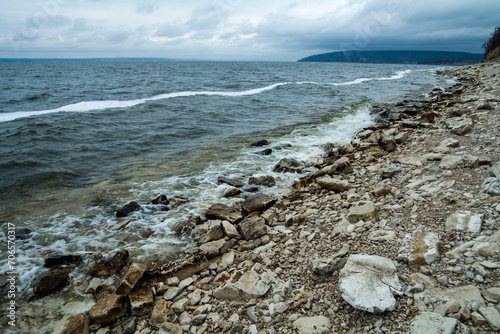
260, 143
230, 230
433, 323
231, 182
267, 151
266, 180
112, 266
223, 212
257, 202
182, 265
368, 283
313, 325
288, 165
128, 209
141, 301
59, 260
333, 184
109, 308
53, 281
388, 143
464, 221
162, 312
212, 249
210, 231
76, 324
130, 278
252, 227
233, 192
362, 211
162, 199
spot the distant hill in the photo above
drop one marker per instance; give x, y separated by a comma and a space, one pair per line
398, 57
123, 59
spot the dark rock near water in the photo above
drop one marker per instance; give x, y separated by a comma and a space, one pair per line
266, 180
60, 260
112, 266
232, 193
267, 151
260, 143
187, 226
288, 165
128, 209
53, 281
258, 202
252, 189
231, 182
76, 324
162, 199
223, 212
23, 234
182, 264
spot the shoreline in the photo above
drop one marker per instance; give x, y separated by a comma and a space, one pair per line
280, 266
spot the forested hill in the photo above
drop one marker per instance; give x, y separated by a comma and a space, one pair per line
398, 57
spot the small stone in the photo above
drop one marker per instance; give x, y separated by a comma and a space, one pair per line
333, 184
162, 312
230, 230
312, 325
492, 316
464, 221
170, 328
130, 278
231, 182
141, 301
76, 324
180, 305
443, 280
363, 211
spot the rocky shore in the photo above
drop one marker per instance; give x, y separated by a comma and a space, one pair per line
394, 232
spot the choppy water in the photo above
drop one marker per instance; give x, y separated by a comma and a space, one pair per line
79, 140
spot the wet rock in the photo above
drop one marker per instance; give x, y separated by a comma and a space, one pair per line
130, 278
128, 209
288, 165
429, 323
252, 227
260, 143
257, 202
162, 312
464, 221
181, 264
120, 225
76, 324
267, 181
112, 266
210, 231
368, 283
53, 281
233, 192
141, 301
362, 211
186, 227
267, 151
59, 260
333, 184
109, 308
223, 212
313, 325
231, 182
162, 199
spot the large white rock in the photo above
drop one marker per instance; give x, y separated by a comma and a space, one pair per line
368, 282
313, 325
464, 221
433, 323
422, 248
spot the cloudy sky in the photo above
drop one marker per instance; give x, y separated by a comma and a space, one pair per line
237, 29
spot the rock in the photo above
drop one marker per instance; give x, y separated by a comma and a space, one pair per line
345, 149
181, 264
223, 212
130, 278
180, 305
464, 221
313, 325
162, 312
252, 227
492, 316
288, 165
109, 308
266, 180
233, 192
59, 260
343, 166
362, 211
52, 281
368, 282
230, 230
491, 186
128, 209
112, 266
120, 225
325, 266
170, 328
231, 182
76, 324
433, 323
423, 248
388, 143
257, 202
212, 249
210, 231
333, 184
496, 170
296, 219
453, 162
141, 301
414, 160
449, 142
267, 151
260, 143
390, 172
162, 199
186, 227
382, 189
460, 126
382, 235
491, 295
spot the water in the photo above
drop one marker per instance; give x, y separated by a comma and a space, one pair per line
79, 140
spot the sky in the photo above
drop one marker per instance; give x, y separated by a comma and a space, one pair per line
267, 30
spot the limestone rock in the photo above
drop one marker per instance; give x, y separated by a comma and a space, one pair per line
266, 180
382, 235
288, 165
491, 186
212, 249
210, 231
368, 282
130, 278
423, 248
325, 266
362, 211
496, 170
449, 142
76, 324
433, 323
231, 182
112, 266
141, 301
492, 316
230, 230
162, 312
464, 221
170, 328
252, 227
223, 212
258, 202
313, 325
343, 166
333, 184
182, 264
414, 160
382, 189
109, 308
460, 126
390, 172
388, 143
452, 162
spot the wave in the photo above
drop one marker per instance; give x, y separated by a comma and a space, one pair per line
99, 105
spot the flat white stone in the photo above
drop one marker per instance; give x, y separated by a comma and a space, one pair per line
312, 325
433, 323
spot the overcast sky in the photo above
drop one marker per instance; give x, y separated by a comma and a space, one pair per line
239, 30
